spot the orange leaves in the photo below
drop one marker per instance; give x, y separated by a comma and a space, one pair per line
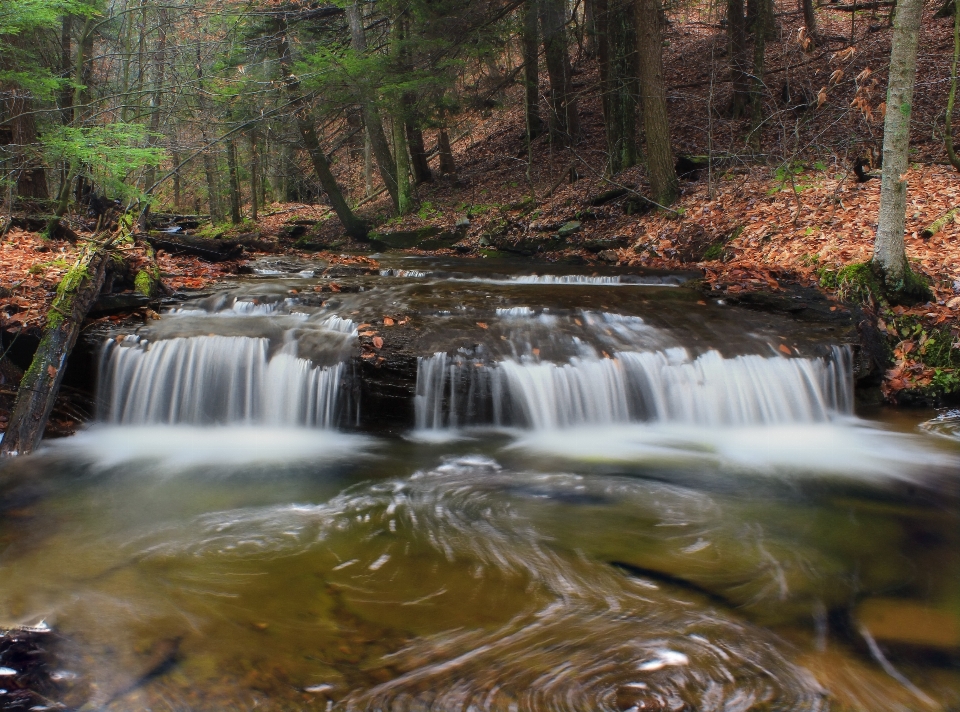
482, 325
377, 342
784, 349
387, 321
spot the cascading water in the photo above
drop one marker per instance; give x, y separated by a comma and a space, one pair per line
662, 386
203, 380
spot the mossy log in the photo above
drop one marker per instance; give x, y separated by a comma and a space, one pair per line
77, 292
208, 250
940, 223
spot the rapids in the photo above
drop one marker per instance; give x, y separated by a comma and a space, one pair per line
553, 491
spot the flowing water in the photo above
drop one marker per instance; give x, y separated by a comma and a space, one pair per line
592, 492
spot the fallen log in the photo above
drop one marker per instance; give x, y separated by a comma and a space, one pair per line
940, 223
76, 293
209, 250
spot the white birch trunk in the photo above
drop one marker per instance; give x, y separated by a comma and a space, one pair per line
889, 252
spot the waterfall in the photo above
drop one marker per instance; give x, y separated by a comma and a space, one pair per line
203, 380
660, 386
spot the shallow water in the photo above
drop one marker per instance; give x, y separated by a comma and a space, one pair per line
626, 558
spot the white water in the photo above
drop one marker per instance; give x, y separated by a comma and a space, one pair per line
667, 386
207, 380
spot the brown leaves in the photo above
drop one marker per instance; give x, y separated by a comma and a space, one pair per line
784, 349
377, 342
387, 321
482, 325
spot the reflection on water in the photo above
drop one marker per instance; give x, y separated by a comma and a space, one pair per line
589, 518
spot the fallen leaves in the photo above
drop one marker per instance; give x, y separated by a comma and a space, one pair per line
377, 342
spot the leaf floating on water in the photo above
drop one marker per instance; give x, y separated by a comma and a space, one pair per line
377, 342
368, 333
387, 321
334, 287
785, 349
482, 325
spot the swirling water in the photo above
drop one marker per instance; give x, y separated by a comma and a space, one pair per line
629, 525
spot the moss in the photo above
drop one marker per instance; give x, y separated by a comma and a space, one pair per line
144, 283
856, 283
716, 250
63, 303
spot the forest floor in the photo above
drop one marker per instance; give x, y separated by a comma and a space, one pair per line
791, 211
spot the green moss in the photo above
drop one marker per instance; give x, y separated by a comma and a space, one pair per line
144, 283
853, 283
63, 303
714, 252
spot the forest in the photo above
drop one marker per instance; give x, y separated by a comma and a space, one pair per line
479, 355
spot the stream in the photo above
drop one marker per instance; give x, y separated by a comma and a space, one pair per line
547, 488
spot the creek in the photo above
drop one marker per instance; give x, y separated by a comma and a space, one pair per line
544, 489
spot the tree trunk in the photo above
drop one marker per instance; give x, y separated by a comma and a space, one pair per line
810, 21
66, 66
418, 155
209, 162
531, 70
77, 292
254, 173
160, 62
177, 202
447, 165
235, 216
617, 57
951, 98
590, 11
737, 35
367, 164
656, 125
889, 252
210, 171
564, 119
405, 199
371, 116
756, 80
31, 178
353, 225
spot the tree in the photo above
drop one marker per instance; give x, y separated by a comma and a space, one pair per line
564, 118
615, 29
889, 251
353, 225
948, 128
737, 41
531, 69
656, 122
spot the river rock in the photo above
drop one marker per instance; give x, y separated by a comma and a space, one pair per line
609, 256
893, 620
568, 229
405, 239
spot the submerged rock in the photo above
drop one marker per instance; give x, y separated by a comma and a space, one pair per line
893, 620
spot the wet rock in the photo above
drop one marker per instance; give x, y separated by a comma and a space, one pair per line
347, 271
26, 662
606, 243
892, 620
527, 246
442, 241
116, 303
405, 239
609, 255
569, 228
